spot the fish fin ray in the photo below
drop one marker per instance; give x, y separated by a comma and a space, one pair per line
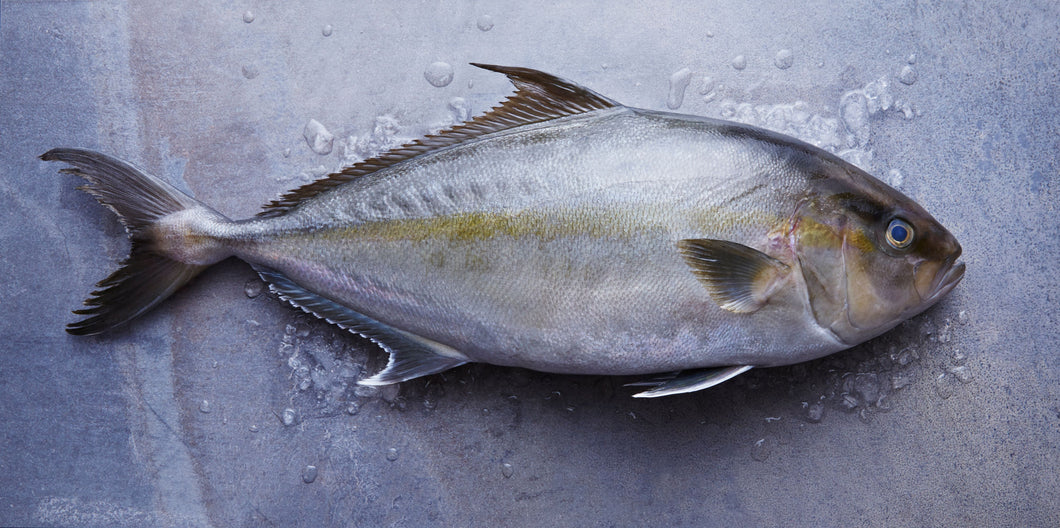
411, 356
739, 278
689, 381
141, 201
539, 97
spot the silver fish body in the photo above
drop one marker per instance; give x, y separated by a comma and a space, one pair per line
566, 233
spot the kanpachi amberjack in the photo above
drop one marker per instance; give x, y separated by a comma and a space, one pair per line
562, 232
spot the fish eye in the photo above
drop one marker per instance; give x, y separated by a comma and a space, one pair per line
899, 234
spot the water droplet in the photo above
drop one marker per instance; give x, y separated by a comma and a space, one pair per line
739, 62
439, 74
286, 152
507, 470
253, 288
485, 23
318, 138
900, 380
944, 386
309, 474
762, 448
326, 31
848, 402
706, 85
204, 407
289, 417
253, 428
853, 108
907, 75
867, 386
305, 383
962, 373
962, 317
250, 71
815, 412
392, 454
678, 83
906, 356
353, 408
958, 357
894, 176
710, 34
390, 393
248, 16
784, 59
911, 59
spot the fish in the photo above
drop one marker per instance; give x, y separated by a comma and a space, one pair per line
564, 232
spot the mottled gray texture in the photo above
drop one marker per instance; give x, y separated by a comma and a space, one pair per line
108, 431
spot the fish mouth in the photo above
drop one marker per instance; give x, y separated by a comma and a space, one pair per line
946, 280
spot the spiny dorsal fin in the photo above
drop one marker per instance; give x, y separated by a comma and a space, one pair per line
539, 97
739, 278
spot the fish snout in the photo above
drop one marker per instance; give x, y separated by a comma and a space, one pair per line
934, 279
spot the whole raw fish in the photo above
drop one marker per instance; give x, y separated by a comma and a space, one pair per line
561, 232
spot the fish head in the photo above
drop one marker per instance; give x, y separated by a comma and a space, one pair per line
870, 256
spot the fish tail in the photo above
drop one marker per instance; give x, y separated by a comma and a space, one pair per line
169, 233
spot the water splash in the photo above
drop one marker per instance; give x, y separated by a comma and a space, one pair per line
383, 137
848, 135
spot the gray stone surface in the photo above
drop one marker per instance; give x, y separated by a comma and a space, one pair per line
209, 410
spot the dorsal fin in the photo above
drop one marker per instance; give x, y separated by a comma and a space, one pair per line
539, 97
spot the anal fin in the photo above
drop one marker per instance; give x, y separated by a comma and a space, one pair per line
689, 381
411, 356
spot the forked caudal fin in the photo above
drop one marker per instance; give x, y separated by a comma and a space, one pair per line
165, 227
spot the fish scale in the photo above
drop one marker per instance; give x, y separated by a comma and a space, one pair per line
563, 232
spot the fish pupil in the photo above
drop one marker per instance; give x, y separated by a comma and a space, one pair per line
899, 233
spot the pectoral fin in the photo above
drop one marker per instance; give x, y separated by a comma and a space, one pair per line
689, 381
411, 356
740, 279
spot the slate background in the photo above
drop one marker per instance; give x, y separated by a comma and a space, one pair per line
952, 419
